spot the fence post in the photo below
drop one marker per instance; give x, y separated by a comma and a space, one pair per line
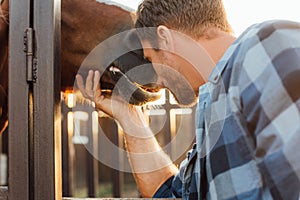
18, 130
46, 141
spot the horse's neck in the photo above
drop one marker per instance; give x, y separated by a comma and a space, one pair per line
85, 24
4, 8
93, 18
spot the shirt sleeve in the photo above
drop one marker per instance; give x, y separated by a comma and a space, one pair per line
271, 108
172, 188
165, 191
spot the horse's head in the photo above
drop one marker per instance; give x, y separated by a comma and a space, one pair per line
130, 75
4, 12
124, 70
89, 24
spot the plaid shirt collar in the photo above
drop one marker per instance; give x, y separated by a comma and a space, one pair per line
221, 65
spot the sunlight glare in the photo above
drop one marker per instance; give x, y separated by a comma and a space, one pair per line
244, 13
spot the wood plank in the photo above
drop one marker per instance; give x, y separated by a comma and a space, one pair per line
47, 112
18, 103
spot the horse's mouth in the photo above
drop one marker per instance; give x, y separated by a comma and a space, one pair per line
146, 89
151, 87
131, 91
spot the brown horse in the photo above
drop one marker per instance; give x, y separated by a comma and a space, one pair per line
4, 11
84, 25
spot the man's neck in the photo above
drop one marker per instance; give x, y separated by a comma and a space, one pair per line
217, 46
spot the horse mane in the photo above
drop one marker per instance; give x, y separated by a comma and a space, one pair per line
121, 6
110, 2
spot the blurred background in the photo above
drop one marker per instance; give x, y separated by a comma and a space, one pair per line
86, 157
94, 161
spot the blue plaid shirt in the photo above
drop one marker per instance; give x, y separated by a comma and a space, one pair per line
248, 122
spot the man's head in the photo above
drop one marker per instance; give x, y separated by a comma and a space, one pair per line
191, 17
170, 31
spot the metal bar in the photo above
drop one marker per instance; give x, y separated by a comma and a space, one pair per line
92, 169
18, 103
91, 183
47, 112
67, 157
167, 127
117, 176
110, 128
29, 50
65, 152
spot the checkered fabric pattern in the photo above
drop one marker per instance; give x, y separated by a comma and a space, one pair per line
248, 122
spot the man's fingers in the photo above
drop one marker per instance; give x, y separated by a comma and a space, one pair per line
89, 83
80, 84
96, 81
96, 88
91, 89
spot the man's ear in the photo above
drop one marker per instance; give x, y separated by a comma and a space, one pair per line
165, 38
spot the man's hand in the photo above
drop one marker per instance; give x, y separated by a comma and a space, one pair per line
114, 106
152, 167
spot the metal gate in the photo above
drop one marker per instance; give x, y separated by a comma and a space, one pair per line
34, 100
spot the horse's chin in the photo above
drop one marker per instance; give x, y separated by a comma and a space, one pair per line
142, 96
134, 93
185, 101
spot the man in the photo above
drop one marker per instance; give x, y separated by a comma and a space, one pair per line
248, 114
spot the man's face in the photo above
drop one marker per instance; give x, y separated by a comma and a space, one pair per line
172, 74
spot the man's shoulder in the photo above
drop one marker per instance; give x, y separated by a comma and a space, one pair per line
259, 44
270, 37
265, 29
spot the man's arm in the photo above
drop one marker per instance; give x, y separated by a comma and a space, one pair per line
150, 164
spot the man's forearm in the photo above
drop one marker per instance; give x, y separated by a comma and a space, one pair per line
150, 164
